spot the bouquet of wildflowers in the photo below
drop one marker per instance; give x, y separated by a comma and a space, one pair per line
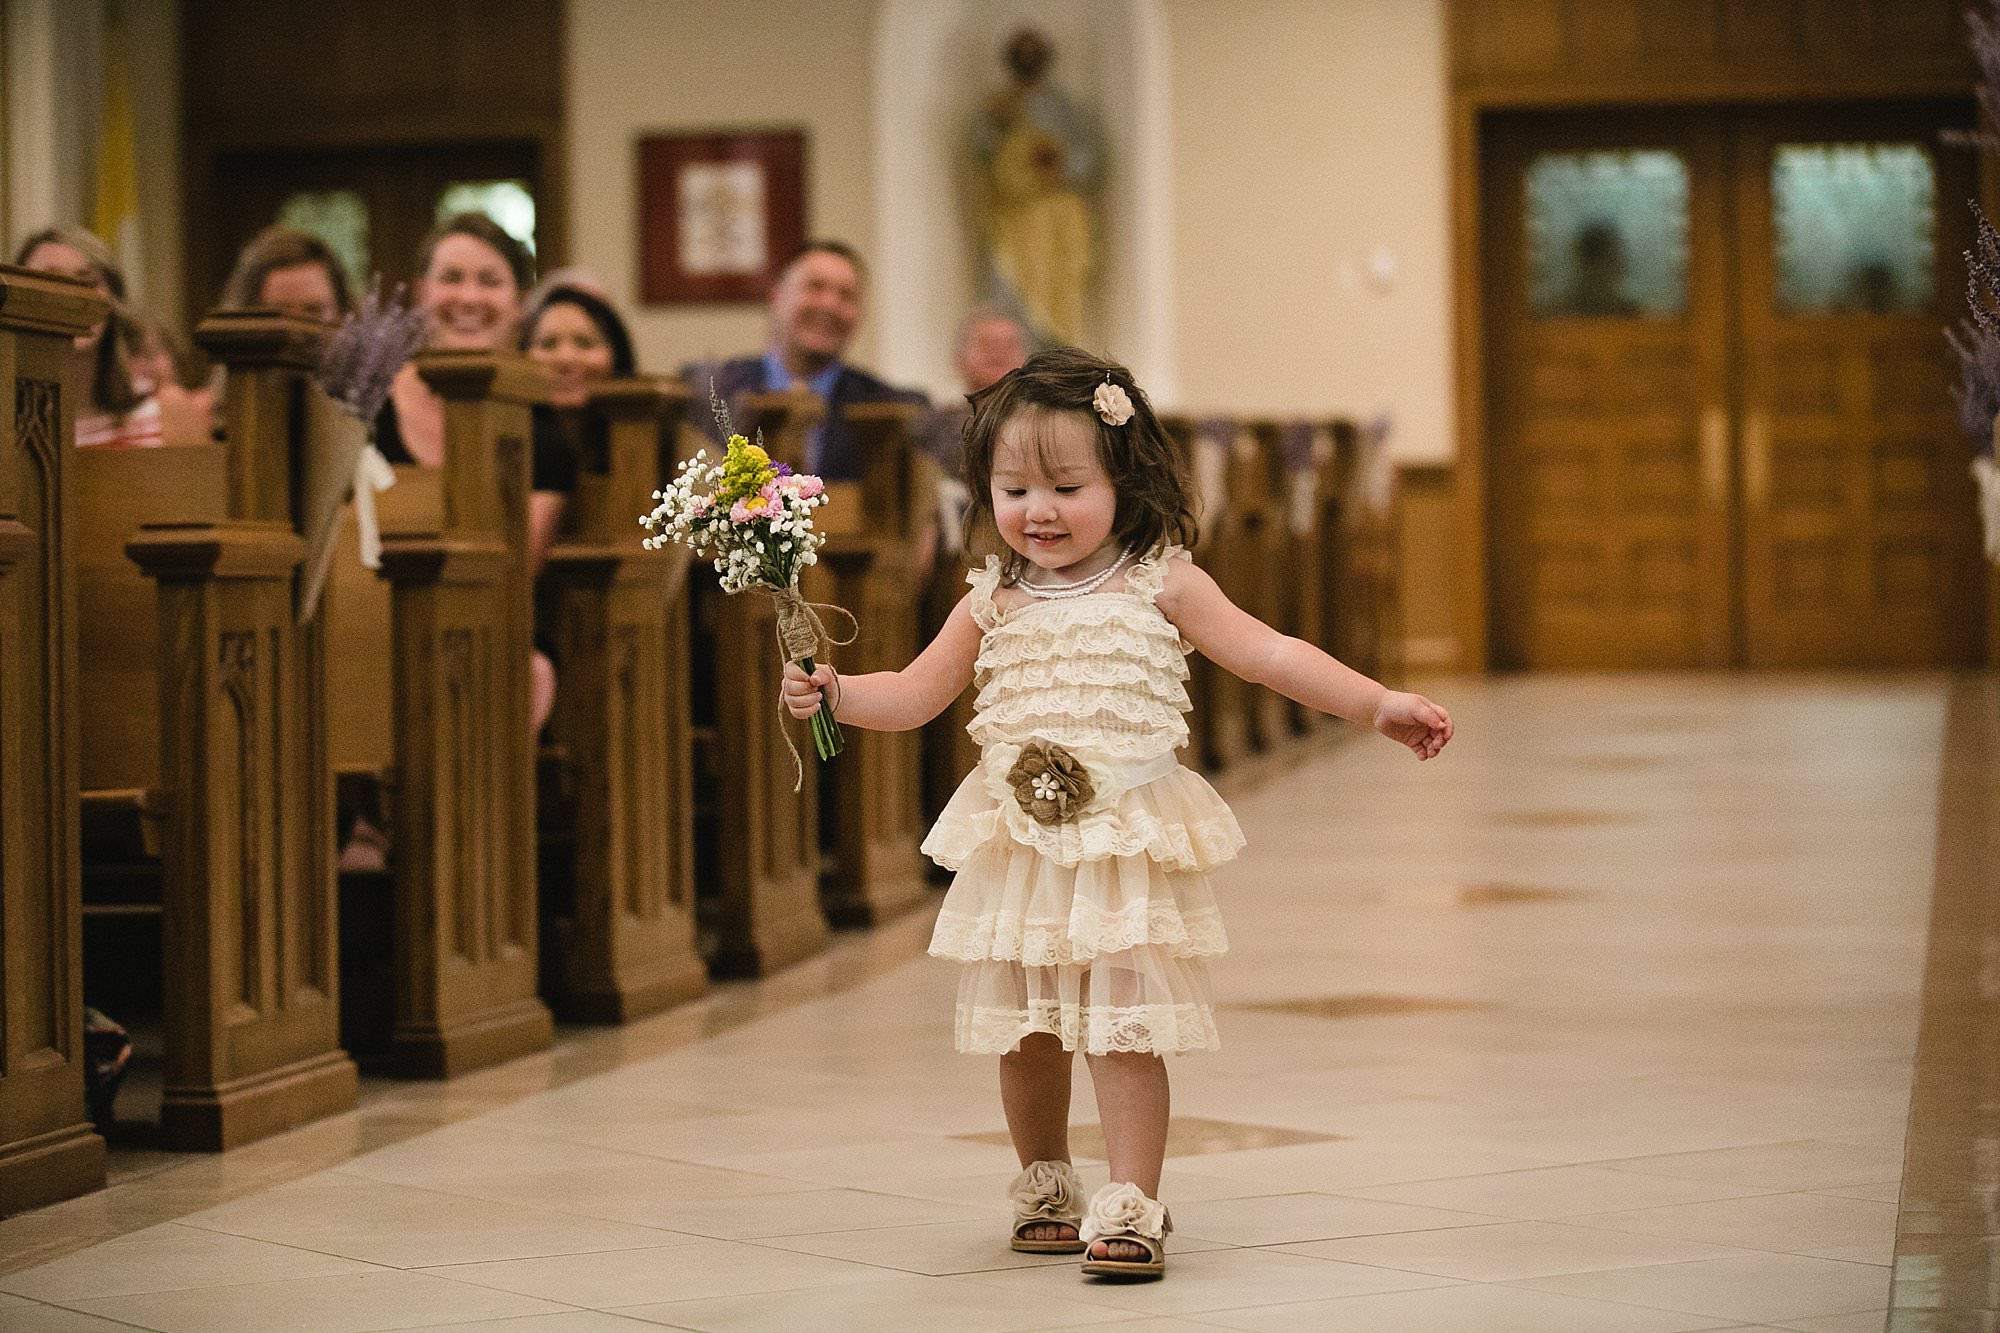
753, 517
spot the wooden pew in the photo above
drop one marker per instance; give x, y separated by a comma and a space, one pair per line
1307, 450
466, 930
1259, 489
1220, 725
620, 614
47, 1149
871, 806
251, 1009
757, 841
1363, 597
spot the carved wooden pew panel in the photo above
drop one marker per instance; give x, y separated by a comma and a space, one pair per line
251, 1016
627, 948
1258, 490
47, 1149
757, 842
871, 806
466, 930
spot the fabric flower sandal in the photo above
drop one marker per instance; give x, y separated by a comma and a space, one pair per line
1045, 1194
1122, 1212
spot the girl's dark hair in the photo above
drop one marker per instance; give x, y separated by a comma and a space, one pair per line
283, 247
111, 382
609, 326
1148, 471
480, 228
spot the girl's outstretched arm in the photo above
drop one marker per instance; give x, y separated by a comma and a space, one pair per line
894, 700
1245, 646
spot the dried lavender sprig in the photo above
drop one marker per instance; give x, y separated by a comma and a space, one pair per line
370, 346
1977, 393
1982, 274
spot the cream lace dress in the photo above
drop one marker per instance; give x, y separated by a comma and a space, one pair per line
1096, 928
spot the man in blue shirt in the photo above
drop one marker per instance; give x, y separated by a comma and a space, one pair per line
815, 307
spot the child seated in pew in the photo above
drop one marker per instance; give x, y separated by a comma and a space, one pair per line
1081, 911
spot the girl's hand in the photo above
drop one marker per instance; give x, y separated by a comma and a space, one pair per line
1415, 721
801, 693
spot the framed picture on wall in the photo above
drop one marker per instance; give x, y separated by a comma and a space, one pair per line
719, 214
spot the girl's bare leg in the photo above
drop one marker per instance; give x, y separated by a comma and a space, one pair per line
1132, 1104
1034, 1092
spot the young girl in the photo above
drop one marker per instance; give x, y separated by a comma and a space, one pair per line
1081, 910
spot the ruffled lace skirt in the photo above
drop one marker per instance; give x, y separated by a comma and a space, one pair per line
1097, 931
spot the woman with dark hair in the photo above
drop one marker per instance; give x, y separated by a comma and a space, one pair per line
579, 339
118, 415
286, 269
471, 276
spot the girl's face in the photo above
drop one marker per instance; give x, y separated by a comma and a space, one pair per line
66, 261
301, 289
569, 343
471, 294
1052, 500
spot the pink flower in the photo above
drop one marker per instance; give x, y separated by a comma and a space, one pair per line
805, 485
750, 510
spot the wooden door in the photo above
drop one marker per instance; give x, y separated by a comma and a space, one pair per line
1858, 534
1722, 433
1609, 310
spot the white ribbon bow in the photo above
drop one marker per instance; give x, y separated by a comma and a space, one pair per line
372, 475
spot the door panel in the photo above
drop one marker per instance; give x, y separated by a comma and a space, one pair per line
1858, 544
1721, 432
1609, 306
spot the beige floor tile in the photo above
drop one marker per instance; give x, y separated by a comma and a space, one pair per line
575, 1321
988, 1190
861, 1166
358, 1304
1215, 1280
1771, 1288
1867, 1321
1458, 1309
413, 1228
1815, 1224
1276, 1219
1345, 1167
799, 1214
945, 1248
1807, 1165
23, 1316
167, 1258
900, 1305
1504, 1251
1563, 1191
685, 1272
1887, 1191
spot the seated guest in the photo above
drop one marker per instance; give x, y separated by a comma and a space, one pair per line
186, 415
286, 269
990, 343
470, 276
576, 335
815, 306
118, 414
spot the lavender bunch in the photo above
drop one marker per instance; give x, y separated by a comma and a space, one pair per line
368, 349
1976, 341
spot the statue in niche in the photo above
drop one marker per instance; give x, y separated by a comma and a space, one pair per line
1039, 158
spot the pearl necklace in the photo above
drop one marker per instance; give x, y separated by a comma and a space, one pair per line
1049, 591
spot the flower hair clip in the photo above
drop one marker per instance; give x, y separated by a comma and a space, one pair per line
1114, 408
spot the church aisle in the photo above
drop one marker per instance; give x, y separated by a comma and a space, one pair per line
1602, 1023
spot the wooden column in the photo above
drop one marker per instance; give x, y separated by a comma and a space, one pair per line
47, 1149
252, 1011
621, 624
872, 795
466, 962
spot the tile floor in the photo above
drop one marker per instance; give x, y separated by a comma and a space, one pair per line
1603, 1023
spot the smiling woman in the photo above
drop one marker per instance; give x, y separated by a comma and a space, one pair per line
471, 277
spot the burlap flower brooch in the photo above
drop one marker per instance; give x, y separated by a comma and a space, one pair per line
1051, 784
